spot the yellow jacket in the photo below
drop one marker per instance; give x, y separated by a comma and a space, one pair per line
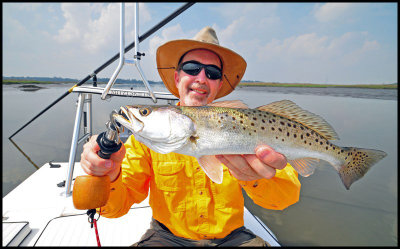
185, 200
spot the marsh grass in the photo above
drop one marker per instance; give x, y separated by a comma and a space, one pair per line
266, 84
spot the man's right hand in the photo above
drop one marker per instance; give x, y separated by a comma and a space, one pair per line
94, 165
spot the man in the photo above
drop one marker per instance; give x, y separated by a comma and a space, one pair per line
188, 208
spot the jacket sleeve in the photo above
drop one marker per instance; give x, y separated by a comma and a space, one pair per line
277, 193
132, 184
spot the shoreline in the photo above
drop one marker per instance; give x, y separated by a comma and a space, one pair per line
267, 84
241, 84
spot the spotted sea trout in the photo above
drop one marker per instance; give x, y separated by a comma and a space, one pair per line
230, 127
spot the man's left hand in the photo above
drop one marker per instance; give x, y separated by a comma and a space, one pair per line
262, 164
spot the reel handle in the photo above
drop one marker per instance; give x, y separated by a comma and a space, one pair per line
92, 192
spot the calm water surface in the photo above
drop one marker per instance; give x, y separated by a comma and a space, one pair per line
327, 214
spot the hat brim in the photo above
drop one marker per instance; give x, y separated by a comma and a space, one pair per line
168, 55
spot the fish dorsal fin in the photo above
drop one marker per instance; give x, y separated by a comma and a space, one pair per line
230, 104
288, 109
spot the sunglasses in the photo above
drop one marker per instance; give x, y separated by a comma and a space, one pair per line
194, 68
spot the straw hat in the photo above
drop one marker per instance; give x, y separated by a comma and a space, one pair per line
168, 56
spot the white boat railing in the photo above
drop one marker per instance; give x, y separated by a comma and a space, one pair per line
85, 97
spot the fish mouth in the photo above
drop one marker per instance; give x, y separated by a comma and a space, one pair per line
128, 119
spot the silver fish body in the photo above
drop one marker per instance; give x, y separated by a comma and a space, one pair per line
229, 127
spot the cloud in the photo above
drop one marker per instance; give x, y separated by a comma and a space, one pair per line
167, 34
310, 57
333, 11
95, 27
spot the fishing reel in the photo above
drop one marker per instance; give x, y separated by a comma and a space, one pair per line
109, 140
92, 192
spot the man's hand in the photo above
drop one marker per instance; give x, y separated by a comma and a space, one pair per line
94, 165
262, 164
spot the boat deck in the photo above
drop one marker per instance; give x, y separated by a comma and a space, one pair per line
37, 213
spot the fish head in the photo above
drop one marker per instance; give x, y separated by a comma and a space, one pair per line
156, 126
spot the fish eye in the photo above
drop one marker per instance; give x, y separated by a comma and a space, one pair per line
144, 111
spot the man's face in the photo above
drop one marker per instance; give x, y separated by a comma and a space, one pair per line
198, 90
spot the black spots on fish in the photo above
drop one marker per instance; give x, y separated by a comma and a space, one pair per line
273, 120
244, 128
305, 141
326, 147
262, 128
294, 135
252, 124
272, 128
316, 140
321, 143
280, 129
287, 134
289, 125
282, 123
310, 144
276, 137
307, 134
302, 128
254, 118
233, 127
283, 140
294, 126
241, 116
241, 121
263, 121
233, 118
301, 136
269, 121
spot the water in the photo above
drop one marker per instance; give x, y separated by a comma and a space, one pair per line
327, 214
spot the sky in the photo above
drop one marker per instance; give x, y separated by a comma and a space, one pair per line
326, 43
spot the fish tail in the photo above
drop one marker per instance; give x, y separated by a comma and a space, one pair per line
357, 162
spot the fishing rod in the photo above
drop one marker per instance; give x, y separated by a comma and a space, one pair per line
141, 38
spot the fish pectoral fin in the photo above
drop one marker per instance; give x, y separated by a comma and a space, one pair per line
213, 168
305, 166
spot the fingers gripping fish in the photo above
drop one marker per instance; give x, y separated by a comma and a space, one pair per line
230, 127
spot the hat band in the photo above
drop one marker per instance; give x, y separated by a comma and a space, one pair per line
166, 68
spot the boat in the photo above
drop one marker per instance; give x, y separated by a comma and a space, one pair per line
40, 210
